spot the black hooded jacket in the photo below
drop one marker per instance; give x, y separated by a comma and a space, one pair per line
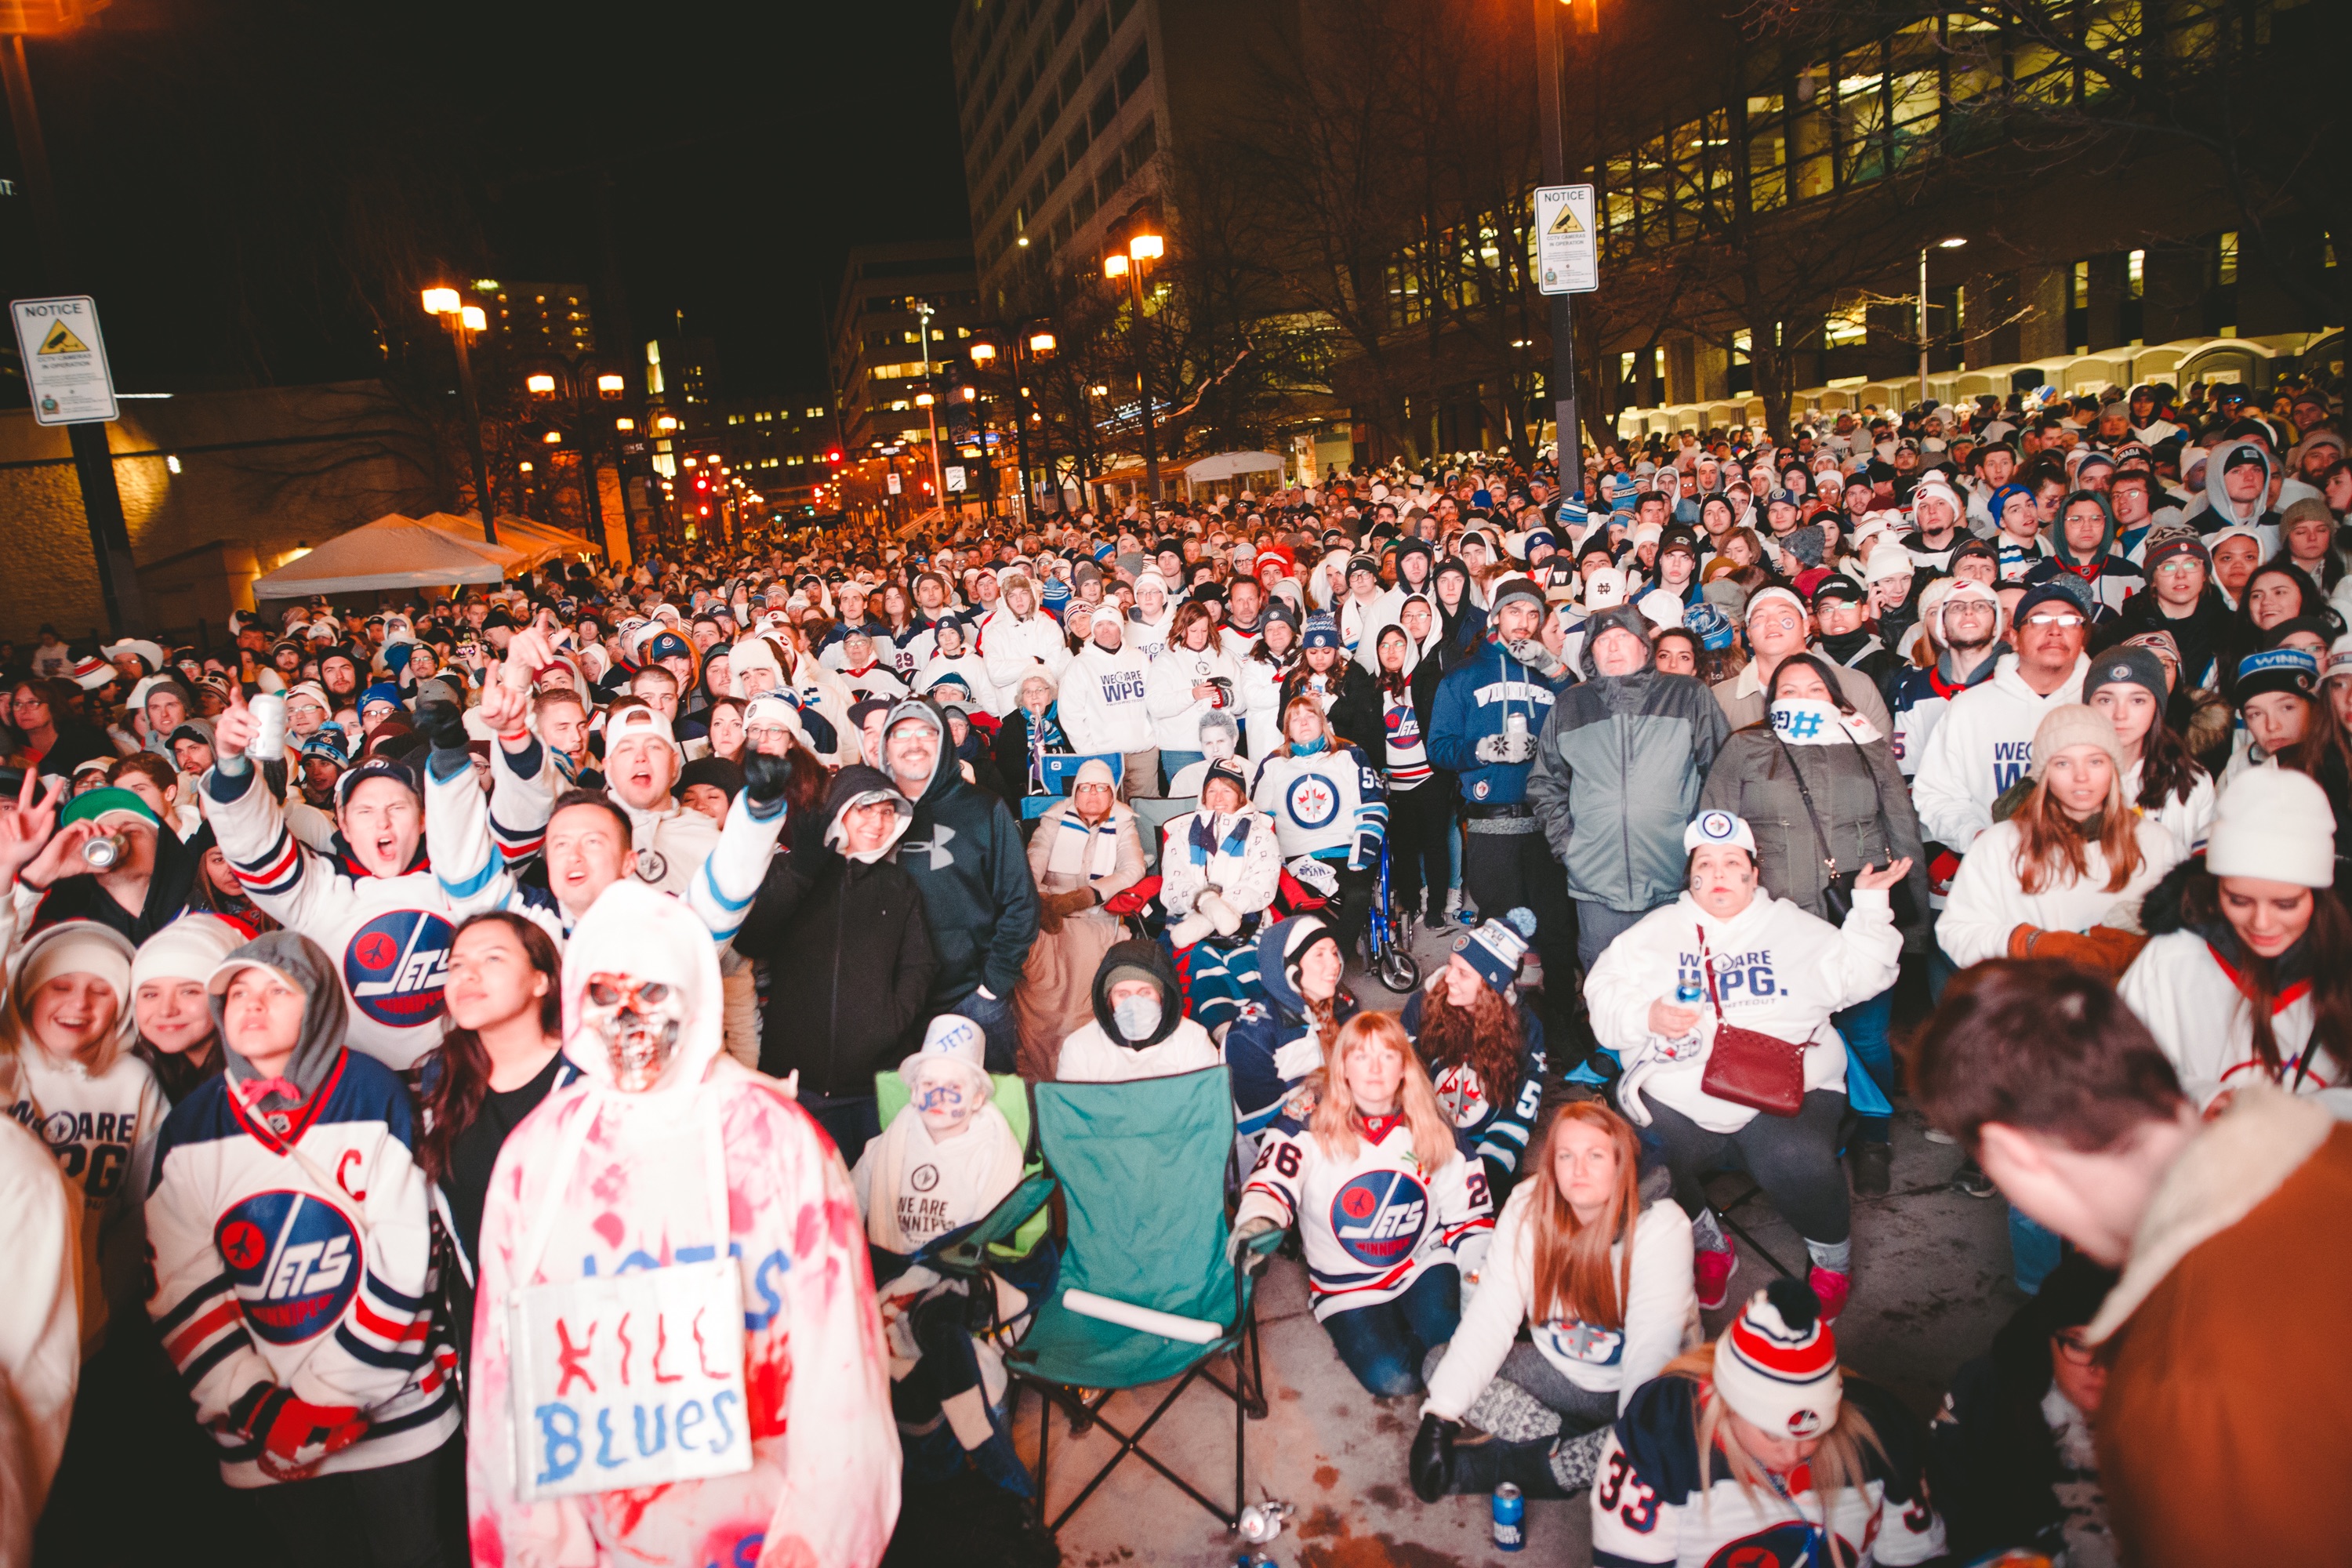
849, 955
1147, 957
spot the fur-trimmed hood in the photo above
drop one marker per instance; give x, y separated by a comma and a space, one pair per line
2232, 1165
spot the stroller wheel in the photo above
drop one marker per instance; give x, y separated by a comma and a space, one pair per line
1397, 971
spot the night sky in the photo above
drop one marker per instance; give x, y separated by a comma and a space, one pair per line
252, 188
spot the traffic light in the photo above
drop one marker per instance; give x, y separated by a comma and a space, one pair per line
834, 457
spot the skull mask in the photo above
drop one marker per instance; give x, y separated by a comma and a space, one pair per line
639, 1021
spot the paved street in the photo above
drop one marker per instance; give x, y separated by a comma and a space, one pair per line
1932, 1285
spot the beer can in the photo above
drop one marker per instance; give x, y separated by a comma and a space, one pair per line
106, 850
1510, 1519
268, 742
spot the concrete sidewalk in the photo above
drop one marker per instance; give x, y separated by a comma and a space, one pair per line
1932, 1285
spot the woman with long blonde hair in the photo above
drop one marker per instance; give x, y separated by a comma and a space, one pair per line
2041, 884
1603, 1283
1390, 1212
1761, 1444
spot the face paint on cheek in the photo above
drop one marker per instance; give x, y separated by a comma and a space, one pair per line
945, 1108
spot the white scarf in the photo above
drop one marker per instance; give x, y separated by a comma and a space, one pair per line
1809, 721
1079, 850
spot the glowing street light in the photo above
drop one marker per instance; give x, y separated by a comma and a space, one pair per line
983, 351
461, 319
540, 386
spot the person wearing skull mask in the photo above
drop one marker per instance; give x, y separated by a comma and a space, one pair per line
616, 1168
1138, 1028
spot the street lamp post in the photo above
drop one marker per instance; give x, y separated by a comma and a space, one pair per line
461, 321
1035, 343
93, 454
929, 405
1952, 244
1567, 444
1143, 246
583, 393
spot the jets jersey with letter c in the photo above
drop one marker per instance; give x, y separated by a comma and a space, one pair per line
1333, 805
300, 1265
1374, 1221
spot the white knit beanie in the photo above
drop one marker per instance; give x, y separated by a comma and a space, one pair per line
190, 948
1777, 1363
2074, 724
2274, 824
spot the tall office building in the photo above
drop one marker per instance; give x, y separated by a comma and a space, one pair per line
526, 317
879, 336
1067, 106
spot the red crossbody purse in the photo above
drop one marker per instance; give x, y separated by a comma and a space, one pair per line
1748, 1066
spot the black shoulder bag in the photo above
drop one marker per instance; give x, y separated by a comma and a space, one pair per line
1837, 889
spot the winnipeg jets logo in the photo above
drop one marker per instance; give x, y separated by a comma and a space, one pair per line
936, 845
1311, 801
1378, 1216
1461, 1096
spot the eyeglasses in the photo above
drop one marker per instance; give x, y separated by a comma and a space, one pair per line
2067, 621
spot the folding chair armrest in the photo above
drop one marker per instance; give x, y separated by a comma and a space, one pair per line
967, 1255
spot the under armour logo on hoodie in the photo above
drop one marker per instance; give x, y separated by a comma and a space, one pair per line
936, 845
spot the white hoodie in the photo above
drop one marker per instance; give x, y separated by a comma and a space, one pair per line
972, 671
1103, 701
1778, 970
1007, 645
1983, 744
1988, 901
1661, 1311
1176, 714
40, 1341
628, 1176
2201, 1022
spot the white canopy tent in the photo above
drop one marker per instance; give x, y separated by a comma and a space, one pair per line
1221, 470
391, 553
530, 543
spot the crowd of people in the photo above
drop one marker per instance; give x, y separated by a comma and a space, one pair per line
402, 1001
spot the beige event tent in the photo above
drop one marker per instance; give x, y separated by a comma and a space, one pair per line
391, 553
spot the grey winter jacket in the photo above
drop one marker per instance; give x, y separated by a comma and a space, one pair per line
1753, 779
1617, 775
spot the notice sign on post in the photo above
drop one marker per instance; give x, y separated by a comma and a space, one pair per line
954, 475
1567, 257
65, 360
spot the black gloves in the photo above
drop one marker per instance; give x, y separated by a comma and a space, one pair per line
764, 777
1433, 1458
444, 724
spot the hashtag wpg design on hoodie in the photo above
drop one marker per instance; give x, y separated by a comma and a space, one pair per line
823, 1487
293, 1261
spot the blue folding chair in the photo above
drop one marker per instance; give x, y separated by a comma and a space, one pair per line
1061, 774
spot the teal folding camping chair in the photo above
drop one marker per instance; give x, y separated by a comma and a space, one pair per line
1141, 1167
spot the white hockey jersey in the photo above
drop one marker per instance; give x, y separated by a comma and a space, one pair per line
1373, 1221
300, 1265
1332, 805
2185, 994
1652, 1505
389, 936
